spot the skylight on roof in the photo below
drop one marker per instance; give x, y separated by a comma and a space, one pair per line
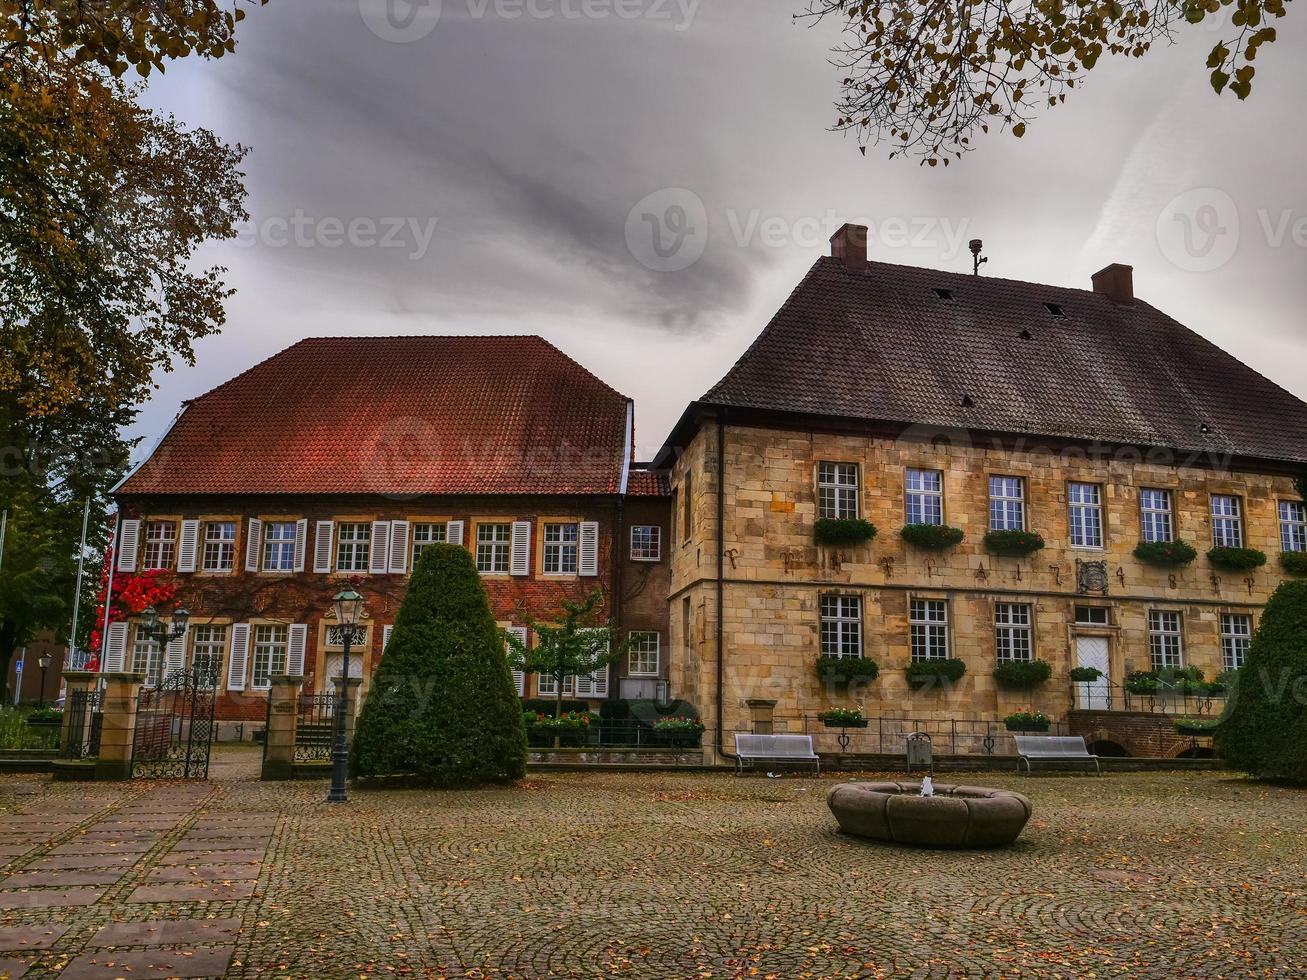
945, 294
1056, 310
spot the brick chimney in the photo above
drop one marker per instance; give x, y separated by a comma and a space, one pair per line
849, 245
1116, 282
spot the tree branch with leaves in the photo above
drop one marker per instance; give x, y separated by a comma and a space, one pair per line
575, 642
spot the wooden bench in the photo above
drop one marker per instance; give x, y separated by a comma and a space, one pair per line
1053, 748
774, 748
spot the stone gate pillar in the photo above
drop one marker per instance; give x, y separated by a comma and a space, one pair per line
283, 713
118, 709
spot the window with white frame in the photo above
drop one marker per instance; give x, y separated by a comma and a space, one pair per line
208, 644
1155, 515
269, 654
147, 657
428, 533
494, 542
928, 623
1086, 505
646, 542
837, 490
1012, 631
841, 626
353, 546
1007, 503
1227, 521
643, 648
925, 497
547, 685
279, 546
1165, 644
559, 553
219, 546
1293, 525
160, 544
1236, 637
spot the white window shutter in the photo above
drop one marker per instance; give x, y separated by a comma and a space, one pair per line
115, 650
454, 532
519, 676
301, 543
240, 649
385, 636
398, 547
175, 655
379, 550
519, 562
253, 545
129, 542
599, 682
296, 639
588, 549
188, 548
322, 547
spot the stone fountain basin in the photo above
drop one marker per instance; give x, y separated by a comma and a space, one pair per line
956, 816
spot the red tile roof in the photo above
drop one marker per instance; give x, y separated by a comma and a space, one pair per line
399, 416
648, 483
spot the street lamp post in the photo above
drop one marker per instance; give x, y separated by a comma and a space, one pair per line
348, 604
43, 662
151, 626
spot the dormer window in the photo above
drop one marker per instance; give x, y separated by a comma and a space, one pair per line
1055, 310
945, 294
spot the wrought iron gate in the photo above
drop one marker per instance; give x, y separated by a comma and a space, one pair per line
174, 726
84, 723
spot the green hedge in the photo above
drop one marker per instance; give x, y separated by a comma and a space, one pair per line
921, 673
1023, 674
1237, 559
1294, 562
933, 537
844, 670
1166, 554
1013, 544
843, 531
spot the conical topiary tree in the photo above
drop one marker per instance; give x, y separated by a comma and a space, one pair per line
1264, 731
443, 707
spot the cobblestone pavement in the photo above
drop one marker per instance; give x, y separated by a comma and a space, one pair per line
642, 875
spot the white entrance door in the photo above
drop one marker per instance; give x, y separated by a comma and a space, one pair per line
1092, 651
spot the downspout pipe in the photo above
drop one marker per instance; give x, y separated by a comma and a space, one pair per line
721, 583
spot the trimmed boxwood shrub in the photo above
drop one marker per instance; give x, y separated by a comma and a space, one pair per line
1166, 554
843, 531
844, 670
1013, 544
443, 709
921, 673
1027, 721
1083, 674
1023, 674
933, 537
1294, 562
1264, 728
1237, 559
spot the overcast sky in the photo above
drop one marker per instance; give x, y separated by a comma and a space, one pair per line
493, 169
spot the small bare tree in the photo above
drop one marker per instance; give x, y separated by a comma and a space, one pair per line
573, 643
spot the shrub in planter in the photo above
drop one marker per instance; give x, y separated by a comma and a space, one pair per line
570, 728
1082, 674
845, 670
1143, 682
923, 673
1023, 674
1027, 721
1013, 544
843, 531
1165, 554
1237, 559
933, 537
1197, 726
843, 718
684, 732
1294, 562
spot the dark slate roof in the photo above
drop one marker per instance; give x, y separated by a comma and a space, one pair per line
878, 343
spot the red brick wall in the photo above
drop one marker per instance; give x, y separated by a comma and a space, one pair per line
1141, 733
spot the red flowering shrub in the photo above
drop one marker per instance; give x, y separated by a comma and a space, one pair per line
133, 593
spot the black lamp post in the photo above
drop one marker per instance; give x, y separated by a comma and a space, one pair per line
348, 604
43, 661
150, 625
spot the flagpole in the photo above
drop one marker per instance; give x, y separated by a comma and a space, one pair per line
77, 594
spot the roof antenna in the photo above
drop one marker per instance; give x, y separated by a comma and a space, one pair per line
976, 259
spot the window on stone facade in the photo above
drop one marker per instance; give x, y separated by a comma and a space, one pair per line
841, 626
925, 502
643, 647
147, 658
428, 534
279, 546
837, 490
208, 645
646, 542
1007, 503
1086, 504
1236, 636
269, 655
1165, 644
1155, 515
219, 546
353, 546
560, 549
1227, 521
1093, 615
1293, 525
494, 542
928, 621
160, 544
1012, 631
687, 508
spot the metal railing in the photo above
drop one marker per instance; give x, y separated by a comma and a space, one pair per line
315, 724
615, 733
948, 736
1179, 699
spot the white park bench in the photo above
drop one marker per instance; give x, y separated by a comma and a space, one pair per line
1053, 748
774, 748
